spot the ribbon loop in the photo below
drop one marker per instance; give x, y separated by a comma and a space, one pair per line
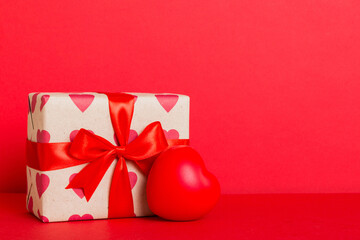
86, 145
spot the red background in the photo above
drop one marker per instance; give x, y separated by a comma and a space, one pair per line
274, 85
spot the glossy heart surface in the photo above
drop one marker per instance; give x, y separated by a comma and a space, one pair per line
179, 186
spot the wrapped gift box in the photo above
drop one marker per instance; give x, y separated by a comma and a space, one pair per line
57, 118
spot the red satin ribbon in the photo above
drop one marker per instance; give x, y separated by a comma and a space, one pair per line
100, 153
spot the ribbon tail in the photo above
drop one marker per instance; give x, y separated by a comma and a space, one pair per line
90, 176
120, 199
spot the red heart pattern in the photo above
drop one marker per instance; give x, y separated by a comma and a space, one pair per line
133, 179
33, 102
167, 101
43, 136
42, 183
171, 134
42, 218
77, 217
132, 135
74, 133
44, 100
78, 191
30, 205
82, 101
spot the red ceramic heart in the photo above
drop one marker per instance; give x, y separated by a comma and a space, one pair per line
179, 187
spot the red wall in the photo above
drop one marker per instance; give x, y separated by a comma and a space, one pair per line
274, 85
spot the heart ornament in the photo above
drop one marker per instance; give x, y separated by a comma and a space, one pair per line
179, 186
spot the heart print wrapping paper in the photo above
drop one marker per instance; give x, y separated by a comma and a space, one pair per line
57, 117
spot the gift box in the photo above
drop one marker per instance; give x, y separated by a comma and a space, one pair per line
88, 154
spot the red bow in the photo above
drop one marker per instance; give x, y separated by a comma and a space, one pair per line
100, 153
